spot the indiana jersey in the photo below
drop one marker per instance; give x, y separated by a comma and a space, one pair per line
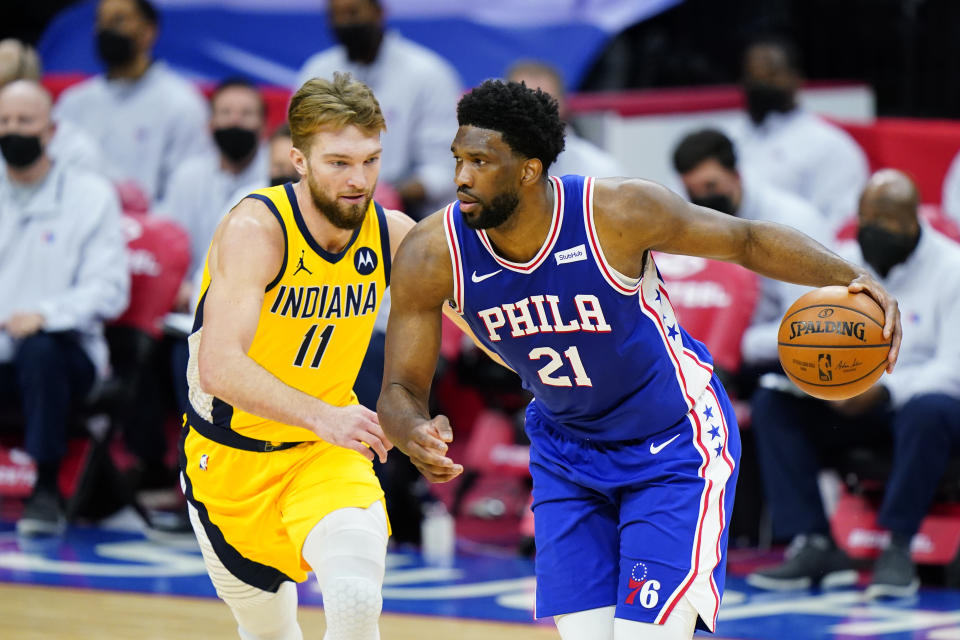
315, 322
603, 354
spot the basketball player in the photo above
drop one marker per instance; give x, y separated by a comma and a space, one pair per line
634, 445
276, 452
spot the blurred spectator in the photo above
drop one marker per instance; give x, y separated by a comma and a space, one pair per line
146, 118
417, 91
281, 166
579, 156
790, 147
70, 144
951, 191
18, 61
200, 187
63, 270
707, 164
919, 403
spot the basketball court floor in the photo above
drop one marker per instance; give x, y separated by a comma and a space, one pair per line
114, 582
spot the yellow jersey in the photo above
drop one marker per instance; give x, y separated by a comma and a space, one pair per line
316, 320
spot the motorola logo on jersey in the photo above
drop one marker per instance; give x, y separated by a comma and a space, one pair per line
365, 260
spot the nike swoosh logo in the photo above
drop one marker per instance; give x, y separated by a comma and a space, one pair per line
477, 278
655, 448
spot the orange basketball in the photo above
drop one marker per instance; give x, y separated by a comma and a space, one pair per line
831, 343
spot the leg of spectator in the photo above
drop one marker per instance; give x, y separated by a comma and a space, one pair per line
925, 430
783, 425
179, 354
52, 373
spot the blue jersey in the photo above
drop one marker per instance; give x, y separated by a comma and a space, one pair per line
604, 357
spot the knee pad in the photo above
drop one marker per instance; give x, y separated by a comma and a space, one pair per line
267, 616
347, 551
260, 615
352, 608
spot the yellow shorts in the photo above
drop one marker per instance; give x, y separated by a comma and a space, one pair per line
257, 507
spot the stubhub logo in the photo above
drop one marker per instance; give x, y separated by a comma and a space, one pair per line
573, 254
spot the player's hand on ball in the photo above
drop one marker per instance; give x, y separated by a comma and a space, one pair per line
354, 427
427, 448
891, 312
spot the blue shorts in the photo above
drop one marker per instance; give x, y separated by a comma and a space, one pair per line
638, 524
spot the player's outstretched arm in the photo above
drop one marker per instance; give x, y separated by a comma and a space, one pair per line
421, 282
635, 215
245, 256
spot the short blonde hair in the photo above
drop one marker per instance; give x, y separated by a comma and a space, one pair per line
339, 103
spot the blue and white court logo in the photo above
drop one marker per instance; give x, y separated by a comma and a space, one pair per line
204, 459
365, 260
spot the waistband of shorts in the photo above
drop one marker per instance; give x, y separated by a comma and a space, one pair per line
232, 439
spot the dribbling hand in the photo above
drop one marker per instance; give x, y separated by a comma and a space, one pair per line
891, 311
354, 427
427, 447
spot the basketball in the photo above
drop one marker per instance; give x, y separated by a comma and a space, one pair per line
831, 343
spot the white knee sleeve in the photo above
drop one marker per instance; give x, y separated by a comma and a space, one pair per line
600, 624
592, 624
679, 626
260, 615
347, 550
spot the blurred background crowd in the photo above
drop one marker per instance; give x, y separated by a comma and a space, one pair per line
128, 128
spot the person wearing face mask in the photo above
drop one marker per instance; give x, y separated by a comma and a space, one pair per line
70, 144
790, 147
200, 187
708, 167
919, 403
417, 89
63, 272
578, 156
146, 118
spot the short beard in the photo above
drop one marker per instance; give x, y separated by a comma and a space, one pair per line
496, 213
343, 217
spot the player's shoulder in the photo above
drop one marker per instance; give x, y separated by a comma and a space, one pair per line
621, 199
251, 221
426, 244
398, 226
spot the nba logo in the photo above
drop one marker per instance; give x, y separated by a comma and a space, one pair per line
825, 367
204, 459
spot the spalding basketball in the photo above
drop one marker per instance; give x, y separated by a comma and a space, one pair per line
831, 343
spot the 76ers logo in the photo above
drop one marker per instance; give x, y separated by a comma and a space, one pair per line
647, 590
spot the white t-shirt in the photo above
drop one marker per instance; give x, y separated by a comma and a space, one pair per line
200, 193
804, 154
951, 190
927, 288
418, 92
145, 128
764, 202
584, 158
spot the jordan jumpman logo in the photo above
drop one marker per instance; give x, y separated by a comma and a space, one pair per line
301, 266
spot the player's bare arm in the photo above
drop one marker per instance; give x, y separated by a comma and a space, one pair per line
245, 256
633, 216
421, 283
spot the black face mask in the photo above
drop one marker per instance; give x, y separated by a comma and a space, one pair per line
114, 48
278, 180
236, 143
763, 99
883, 249
20, 151
718, 201
361, 40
